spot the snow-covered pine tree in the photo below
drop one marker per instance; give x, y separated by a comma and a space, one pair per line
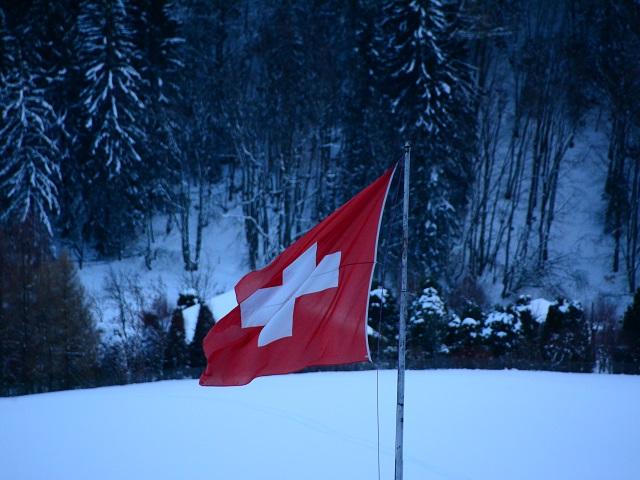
112, 97
54, 37
156, 37
29, 127
422, 74
203, 325
52, 26
115, 112
428, 88
365, 153
427, 324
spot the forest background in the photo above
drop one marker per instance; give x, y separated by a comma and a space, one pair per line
124, 122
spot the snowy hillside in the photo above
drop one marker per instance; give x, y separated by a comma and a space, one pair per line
222, 264
459, 425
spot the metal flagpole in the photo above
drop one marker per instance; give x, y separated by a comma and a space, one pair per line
403, 313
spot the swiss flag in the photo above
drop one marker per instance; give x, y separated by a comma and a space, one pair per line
308, 306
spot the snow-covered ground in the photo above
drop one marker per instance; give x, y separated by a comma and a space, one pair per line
459, 425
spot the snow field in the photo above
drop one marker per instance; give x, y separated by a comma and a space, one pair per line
460, 424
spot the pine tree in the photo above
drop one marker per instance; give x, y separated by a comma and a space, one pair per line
156, 38
20, 257
114, 110
29, 128
65, 327
426, 326
7, 45
48, 339
112, 97
203, 325
368, 136
56, 37
423, 74
428, 88
175, 353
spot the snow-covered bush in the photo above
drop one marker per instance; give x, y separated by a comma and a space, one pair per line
500, 331
480, 335
529, 321
426, 325
566, 337
526, 334
463, 338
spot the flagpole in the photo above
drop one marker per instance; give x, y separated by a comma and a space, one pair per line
403, 313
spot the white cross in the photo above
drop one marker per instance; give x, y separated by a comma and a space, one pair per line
272, 307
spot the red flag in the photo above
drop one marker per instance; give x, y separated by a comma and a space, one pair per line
308, 306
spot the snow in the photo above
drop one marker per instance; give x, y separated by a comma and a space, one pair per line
539, 309
222, 264
190, 316
380, 293
499, 317
189, 292
459, 424
431, 303
372, 332
222, 304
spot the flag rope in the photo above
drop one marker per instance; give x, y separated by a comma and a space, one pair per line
381, 276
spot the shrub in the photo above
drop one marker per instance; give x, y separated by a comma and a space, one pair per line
426, 326
462, 338
566, 337
500, 331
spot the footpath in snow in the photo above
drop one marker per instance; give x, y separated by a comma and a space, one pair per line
460, 424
